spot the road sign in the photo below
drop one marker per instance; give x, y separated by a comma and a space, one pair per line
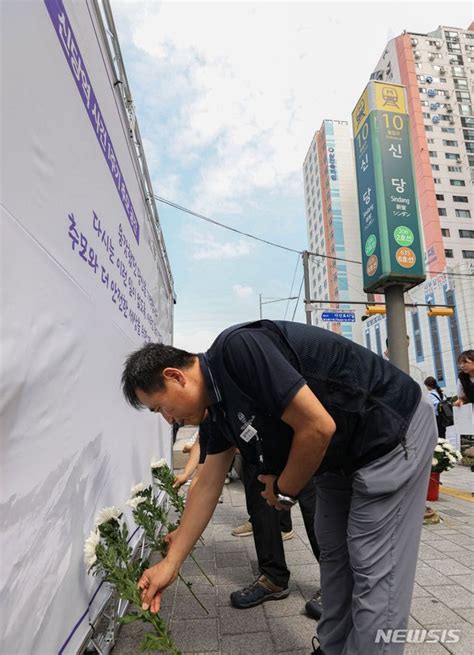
388, 208
339, 317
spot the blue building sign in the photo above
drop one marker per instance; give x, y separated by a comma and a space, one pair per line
339, 317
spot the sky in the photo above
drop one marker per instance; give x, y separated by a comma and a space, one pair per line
228, 96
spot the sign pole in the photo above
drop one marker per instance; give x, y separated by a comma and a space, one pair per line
307, 293
396, 327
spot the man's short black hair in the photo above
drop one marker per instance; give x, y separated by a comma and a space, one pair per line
144, 369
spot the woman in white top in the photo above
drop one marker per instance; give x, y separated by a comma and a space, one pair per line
436, 396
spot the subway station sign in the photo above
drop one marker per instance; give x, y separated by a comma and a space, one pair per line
388, 207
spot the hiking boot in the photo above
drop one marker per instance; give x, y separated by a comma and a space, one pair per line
258, 592
244, 530
287, 535
314, 606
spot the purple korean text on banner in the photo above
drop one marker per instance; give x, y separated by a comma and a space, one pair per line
68, 41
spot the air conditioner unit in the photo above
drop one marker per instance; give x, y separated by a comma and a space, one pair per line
431, 56
429, 79
447, 94
417, 54
438, 45
451, 119
414, 41
442, 70
449, 108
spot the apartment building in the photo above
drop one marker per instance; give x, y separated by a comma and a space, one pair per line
437, 70
332, 220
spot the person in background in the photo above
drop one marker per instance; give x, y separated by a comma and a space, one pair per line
436, 396
465, 387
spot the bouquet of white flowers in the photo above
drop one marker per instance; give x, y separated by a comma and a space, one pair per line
445, 457
108, 555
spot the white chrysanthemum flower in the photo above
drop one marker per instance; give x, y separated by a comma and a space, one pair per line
137, 489
107, 514
90, 545
434, 461
136, 501
158, 464
447, 446
438, 449
458, 454
452, 458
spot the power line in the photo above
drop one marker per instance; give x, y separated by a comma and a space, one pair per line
299, 296
292, 283
278, 245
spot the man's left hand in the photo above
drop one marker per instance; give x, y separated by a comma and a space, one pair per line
268, 494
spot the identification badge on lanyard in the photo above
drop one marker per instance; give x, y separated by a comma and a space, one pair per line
248, 433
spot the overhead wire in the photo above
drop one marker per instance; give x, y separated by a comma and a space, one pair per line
278, 245
292, 283
299, 296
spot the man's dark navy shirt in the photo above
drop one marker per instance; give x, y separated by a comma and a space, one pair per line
253, 371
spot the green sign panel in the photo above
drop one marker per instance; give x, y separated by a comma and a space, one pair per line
388, 208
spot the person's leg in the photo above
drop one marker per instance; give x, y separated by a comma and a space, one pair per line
286, 524
266, 530
383, 536
332, 510
307, 503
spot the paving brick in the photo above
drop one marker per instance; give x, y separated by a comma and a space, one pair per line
243, 644
196, 635
449, 567
236, 621
233, 559
465, 581
452, 595
293, 634
293, 605
429, 611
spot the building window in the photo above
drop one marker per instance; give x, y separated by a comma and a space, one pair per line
428, 128
466, 234
417, 340
442, 211
460, 199
453, 327
437, 180
451, 155
457, 183
450, 143
448, 253
455, 169
439, 196
378, 340
462, 213
445, 232
432, 153
448, 130
367, 340
468, 254
430, 140
435, 167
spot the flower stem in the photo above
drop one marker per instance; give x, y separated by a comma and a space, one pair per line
188, 586
201, 569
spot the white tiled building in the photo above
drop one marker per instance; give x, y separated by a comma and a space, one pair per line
332, 220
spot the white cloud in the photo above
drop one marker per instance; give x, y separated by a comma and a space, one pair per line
206, 246
242, 291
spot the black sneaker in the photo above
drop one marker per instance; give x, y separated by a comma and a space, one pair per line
314, 606
258, 592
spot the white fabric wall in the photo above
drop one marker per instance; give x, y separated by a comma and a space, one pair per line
69, 442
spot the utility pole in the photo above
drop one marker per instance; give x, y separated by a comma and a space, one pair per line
397, 327
307, 294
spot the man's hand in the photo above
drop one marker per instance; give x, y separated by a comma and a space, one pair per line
459, 402
268, 494
154, 581
179, 480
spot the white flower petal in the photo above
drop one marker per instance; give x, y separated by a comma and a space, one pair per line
107, 514
134, 502
134, 491
158, 464
90, 545
438, 449
434, 461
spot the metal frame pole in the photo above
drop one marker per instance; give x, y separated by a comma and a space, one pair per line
307, 294
396, 327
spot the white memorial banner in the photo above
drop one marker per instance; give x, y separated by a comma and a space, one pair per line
83, 283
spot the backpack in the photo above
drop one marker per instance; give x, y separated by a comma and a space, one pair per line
445, 412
